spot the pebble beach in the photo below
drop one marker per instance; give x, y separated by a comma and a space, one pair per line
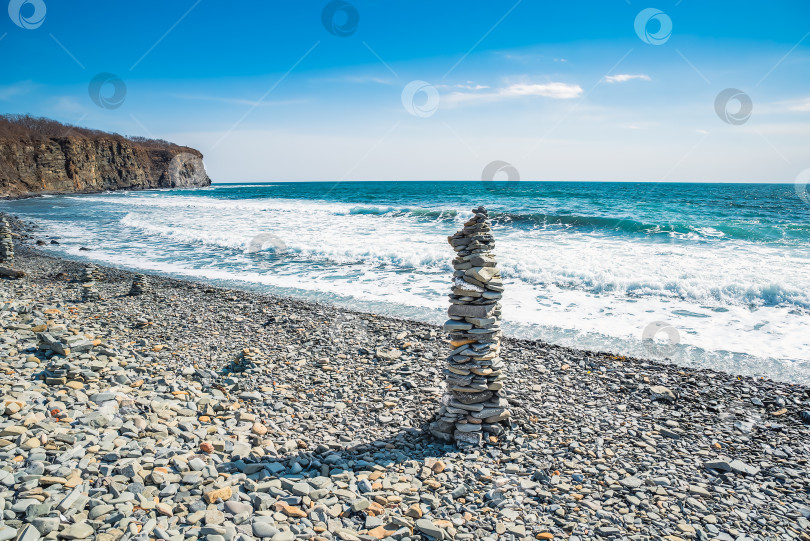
191, 412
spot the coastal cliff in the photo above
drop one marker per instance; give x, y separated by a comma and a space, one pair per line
40, 156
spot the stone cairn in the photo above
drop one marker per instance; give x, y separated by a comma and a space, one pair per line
139, 286
244, 361
89, 291
472, 406
6, 244
60, 372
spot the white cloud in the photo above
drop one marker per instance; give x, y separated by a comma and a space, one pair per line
558, 91
624, 77
11, 91
555, 90
469, 85
62, 105
796, 105
800, 106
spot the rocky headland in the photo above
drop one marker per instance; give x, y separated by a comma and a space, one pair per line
40, 156
188, 412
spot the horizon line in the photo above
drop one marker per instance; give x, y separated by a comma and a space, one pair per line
510, 181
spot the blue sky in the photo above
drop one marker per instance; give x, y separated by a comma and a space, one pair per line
560, 90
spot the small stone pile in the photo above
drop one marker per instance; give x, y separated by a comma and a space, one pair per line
63, 344
139, 286
89, 291
244, 361
6, 244
60, 373
473, 405
88, 273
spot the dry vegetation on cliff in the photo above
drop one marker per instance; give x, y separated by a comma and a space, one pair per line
38, 128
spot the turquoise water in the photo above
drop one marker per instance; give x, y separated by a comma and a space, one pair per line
720, 271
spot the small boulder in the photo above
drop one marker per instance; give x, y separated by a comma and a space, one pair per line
661, 393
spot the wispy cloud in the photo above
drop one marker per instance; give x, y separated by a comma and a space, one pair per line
559, 91
795, 105
528, 58
639, 125
554, 90
359, 79
11, 91
520, 56
803, 107
624, 77
239, 101
469, 85
61, 105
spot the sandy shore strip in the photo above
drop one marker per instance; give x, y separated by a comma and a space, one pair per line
195, 412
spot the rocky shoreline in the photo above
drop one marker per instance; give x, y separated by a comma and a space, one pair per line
194, 412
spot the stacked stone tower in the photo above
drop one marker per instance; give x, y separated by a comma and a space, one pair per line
472, 407
89, 291
6, 242
139, 286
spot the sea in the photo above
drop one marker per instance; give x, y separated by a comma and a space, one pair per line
700, 275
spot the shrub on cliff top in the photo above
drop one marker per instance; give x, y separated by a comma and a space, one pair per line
39, 128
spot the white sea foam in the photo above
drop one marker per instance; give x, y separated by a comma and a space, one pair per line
739, 306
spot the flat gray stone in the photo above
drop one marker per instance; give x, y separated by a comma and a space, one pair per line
28, 533
631, 482
264, 529
81, 530
427, 527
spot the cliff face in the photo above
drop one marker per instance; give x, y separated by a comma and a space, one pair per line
79, 164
